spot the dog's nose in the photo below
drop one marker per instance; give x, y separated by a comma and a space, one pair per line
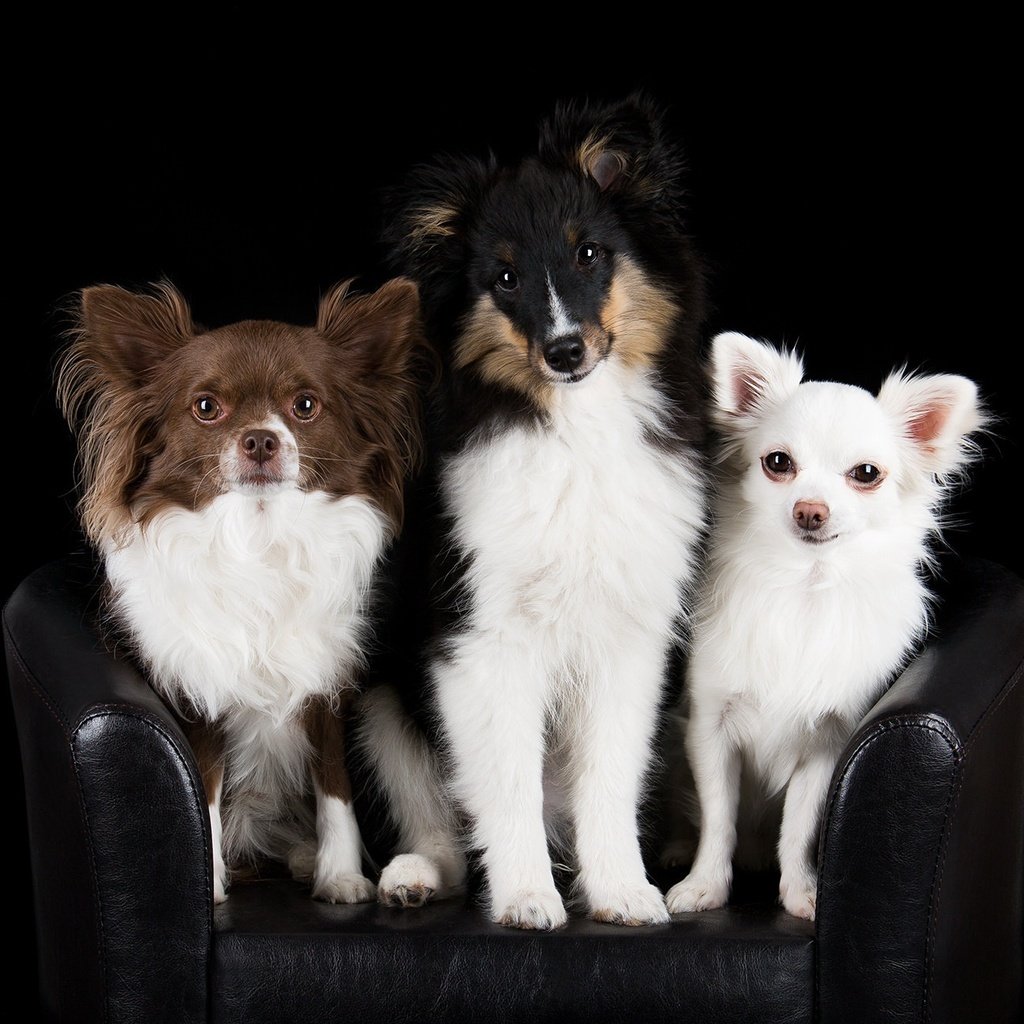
810, 515
260, 445
564, 354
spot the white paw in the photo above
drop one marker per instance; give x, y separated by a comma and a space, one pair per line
302, 861
697, 893
537, 909
799, 898
410, 880
632, 905
344, 888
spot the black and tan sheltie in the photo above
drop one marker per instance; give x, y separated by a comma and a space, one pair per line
565, 298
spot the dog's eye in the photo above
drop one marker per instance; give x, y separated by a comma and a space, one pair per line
206, 408
305, 407
777, 464
508, 280
866, 475
588, 253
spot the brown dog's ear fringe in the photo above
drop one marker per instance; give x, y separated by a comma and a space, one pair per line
332, 313
383, 333
118, 337
129, 333
372, 324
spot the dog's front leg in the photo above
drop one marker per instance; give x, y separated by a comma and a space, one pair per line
207, 742
805, 797
337, 871
430, 862
610, 735
716, 764
491, 697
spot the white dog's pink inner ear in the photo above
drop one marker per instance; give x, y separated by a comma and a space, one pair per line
925, 425
747, 387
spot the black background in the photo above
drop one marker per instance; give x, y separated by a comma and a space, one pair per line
850, 186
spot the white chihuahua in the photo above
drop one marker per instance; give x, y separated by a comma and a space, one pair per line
814, 596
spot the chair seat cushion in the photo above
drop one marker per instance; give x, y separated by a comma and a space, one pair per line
280, 956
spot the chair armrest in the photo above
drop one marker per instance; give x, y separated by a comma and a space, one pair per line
118, 828
921, 856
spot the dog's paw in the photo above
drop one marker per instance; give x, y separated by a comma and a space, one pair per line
696, 893
344, 888
540, 910
410, 880
630, 905
799, 898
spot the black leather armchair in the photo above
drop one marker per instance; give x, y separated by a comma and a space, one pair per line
919, 906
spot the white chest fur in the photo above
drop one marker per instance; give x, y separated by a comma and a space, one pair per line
250, 605
581, 532
786, 644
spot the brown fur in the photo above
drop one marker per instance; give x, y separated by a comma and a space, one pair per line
207, 743
324, 722
136, 363
128, 384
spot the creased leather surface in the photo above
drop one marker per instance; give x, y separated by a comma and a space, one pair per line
116, 819
921, 860
66, 920
275, 951
919, 900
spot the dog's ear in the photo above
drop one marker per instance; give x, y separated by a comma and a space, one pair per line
382, 333
126, 334
379, 328
621, 147
937, 414
747, 376
118, 338
427, 219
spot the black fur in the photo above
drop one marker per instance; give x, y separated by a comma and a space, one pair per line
473, 209
456, 219
613, 172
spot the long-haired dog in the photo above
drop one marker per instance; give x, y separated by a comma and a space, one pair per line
565, 298
240, 486
815, 594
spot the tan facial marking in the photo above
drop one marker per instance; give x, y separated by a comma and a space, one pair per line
499, 352
638, 315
